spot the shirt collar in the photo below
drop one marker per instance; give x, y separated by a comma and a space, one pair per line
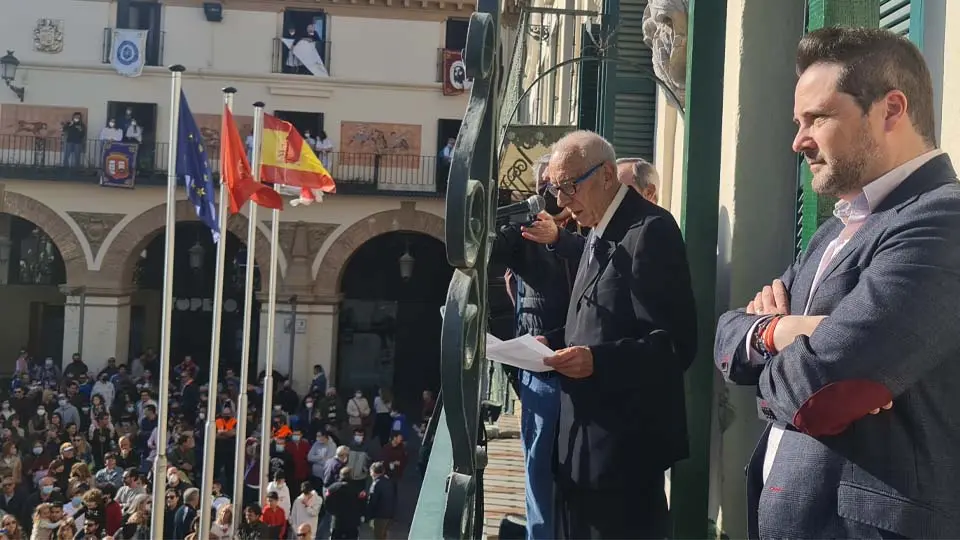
875, 192
611, 210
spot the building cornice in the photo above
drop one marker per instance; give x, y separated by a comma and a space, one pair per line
279, 84
405, 9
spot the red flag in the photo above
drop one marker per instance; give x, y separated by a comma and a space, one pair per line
237, 177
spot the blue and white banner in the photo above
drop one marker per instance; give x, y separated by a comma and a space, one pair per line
128, 51
118, 164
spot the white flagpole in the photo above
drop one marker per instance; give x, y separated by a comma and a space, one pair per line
163, 403
267, 413
241, 453
210, 438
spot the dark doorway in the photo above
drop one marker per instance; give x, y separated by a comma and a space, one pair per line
143, 15
193, 277
146, 116
389, 331
456, 34
303, 121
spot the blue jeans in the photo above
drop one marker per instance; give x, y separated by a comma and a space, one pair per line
540, 400
71, 154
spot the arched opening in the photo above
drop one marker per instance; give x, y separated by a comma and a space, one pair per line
193, 285
31, 272
389, 328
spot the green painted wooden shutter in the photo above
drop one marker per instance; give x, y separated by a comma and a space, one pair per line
904, 17
635, 97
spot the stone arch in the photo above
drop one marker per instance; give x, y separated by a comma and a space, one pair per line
120, 260
335, 260
57, 228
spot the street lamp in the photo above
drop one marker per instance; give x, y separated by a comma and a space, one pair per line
196, 257
8, 72
406, 264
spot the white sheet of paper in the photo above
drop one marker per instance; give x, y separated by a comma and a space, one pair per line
524, 352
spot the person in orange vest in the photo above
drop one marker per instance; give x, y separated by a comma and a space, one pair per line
224, 447
280, 428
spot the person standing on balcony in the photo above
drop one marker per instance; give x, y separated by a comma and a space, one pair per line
539, 288
853, 350
324, 150
75, 136
630, 334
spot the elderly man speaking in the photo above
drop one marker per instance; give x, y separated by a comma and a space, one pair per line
630, 334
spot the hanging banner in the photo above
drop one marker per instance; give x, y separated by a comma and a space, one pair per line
455, 80
119, 164
128, 51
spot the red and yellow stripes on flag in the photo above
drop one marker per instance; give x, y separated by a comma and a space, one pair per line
289, 160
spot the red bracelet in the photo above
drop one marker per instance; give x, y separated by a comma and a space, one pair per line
768, 335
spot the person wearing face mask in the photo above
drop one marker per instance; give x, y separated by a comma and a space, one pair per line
358, 411
7, 411
38, 424
110, 132
298, 450
308, 418
322, 450
280, 459
37, 462
75, 135
362, 454
67, 411
133, 133
50, 375
280, 428
251, 474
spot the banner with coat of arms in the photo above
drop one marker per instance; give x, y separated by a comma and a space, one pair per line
455, 80
119, 164
128, 51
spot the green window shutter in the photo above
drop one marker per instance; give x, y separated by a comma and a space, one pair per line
905, 17
590, 94
635, 97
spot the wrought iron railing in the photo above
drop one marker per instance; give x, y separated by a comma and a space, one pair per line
50, 158
154, 47
451, 500
281, 55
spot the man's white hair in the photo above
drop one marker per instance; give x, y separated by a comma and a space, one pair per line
644, 173
587, 145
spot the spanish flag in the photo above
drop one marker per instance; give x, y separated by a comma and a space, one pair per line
288, 160
237, 178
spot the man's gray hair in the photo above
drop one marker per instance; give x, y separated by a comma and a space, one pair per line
644, 173
191, 494
539, 167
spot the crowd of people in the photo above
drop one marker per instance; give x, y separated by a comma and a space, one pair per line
79, 446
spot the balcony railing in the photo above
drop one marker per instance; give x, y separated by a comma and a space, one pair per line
154, 47
47, 158
281, 55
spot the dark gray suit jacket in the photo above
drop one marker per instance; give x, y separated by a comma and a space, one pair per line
893, 332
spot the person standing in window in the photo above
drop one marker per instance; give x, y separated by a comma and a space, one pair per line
324, 150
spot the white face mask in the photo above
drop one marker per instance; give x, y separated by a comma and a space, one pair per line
41, 412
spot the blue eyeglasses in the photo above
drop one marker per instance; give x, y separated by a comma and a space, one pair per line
569, 187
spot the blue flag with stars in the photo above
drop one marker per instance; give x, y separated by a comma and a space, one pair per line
193, 167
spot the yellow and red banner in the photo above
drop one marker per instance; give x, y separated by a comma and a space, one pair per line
289, 160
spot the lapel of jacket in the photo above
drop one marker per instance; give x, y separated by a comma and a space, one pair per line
931, 174
590, 269
800, 289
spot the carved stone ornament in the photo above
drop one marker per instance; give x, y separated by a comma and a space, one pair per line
48, 36
665, 32
96, 227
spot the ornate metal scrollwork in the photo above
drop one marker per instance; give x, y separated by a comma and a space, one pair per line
470, 214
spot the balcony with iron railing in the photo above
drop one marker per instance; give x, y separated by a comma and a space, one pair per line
46, 158
153, 48
281, 62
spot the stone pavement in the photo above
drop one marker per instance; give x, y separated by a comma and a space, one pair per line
503, 480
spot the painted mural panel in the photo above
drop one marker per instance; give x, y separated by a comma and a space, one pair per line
21, 125
397, 144
209, 125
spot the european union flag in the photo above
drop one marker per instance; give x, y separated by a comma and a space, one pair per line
193, 167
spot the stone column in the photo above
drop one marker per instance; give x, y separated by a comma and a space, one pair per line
314, 339
756, 225
104, 315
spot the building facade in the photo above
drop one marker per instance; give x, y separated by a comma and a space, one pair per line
78, 261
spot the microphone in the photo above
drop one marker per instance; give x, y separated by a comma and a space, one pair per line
533, 206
